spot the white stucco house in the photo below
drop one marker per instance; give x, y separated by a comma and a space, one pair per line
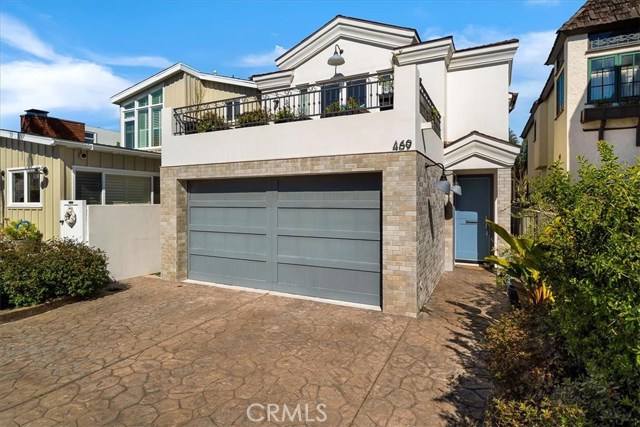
322, 183
593, 89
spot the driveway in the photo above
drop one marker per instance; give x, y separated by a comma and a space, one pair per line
166, 353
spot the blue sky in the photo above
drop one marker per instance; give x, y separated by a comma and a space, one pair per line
70, 57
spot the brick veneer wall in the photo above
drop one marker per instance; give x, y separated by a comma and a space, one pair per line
403, 265
503, 201
430, 230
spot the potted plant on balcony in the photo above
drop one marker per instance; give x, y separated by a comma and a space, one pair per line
336, 109
256, 117
385, 97
288, 114
210, 121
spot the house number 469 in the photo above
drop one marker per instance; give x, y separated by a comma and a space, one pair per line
403, 145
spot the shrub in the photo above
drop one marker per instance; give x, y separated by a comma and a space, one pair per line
335, 106
524, 356
255, 117
594, 265
547, 412
21, 230
34, 273
210, 121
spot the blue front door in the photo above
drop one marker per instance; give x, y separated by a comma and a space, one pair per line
472, 209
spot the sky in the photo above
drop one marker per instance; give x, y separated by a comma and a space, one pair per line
70, 57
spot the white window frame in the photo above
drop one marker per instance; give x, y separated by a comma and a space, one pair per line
93, 139
106, 171
25, 170
149, 107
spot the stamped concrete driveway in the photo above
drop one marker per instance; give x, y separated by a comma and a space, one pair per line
164, 353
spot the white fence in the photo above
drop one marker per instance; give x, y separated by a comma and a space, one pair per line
129, 234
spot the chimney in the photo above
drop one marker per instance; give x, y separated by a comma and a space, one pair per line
38, 122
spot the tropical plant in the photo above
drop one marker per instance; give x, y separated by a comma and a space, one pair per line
525, 261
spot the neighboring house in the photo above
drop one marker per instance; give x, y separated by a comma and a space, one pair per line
94, 135
593, 90
176, 86
323, 182
49, 161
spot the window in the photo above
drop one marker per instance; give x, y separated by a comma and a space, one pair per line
560, 94
233, 110
613, 78
535, 130
24, 187
142, 121
112, 187
90, 137
330, 94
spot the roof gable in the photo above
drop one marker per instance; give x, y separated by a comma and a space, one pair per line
601, 12
479, 151
343, 27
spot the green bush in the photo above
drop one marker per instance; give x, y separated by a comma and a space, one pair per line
524, 355
20, 230
546, 412
34, 273
594, 266
255, 117
210, 121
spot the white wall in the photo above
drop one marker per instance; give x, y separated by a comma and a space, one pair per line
129, 234
373, 132
478, 99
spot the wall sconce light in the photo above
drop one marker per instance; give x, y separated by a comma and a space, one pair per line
42, 170
443, 183
336, 60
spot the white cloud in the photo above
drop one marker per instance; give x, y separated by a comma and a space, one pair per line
68, 87
261, 59
132, 61
16, 34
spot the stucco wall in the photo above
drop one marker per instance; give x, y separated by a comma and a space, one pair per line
477, 99
129, 234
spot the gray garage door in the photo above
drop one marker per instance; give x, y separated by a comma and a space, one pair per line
316, 236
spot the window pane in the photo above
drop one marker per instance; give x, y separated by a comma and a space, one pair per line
128, 106
17, 187
90, 137
129, 115
89, 187
143, 128
144, 101
357, 90
560, 93
602, 80
127, 189
156, 190
129, 130
156, 127
330, 95
156, 97
34, 187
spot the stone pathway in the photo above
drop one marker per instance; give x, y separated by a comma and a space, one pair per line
164, 353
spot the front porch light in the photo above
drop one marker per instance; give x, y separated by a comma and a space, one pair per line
443, 183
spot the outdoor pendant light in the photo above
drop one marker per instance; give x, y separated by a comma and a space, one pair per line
337, 58
443, 185
456, 187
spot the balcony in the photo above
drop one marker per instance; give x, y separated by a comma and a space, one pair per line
336, 97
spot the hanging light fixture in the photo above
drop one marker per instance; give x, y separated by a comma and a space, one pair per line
337, 58
456, 187
443, 184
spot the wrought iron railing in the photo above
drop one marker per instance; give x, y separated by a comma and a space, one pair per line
336, 97
428, 110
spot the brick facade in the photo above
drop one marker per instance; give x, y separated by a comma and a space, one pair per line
503, 200
412, 217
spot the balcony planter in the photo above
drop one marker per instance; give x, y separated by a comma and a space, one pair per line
287, 114
610, 112
385, 101
209, 122
336, 109
257, 117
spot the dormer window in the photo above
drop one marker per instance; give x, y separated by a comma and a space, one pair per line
142, 121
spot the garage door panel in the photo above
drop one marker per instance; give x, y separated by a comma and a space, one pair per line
229, 271
346, 285
227, 216
345, 251
229, 242
367, 220
317, 236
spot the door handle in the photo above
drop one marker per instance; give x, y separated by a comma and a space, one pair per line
471, 221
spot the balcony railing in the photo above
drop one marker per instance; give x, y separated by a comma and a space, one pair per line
428, 110
336, 97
